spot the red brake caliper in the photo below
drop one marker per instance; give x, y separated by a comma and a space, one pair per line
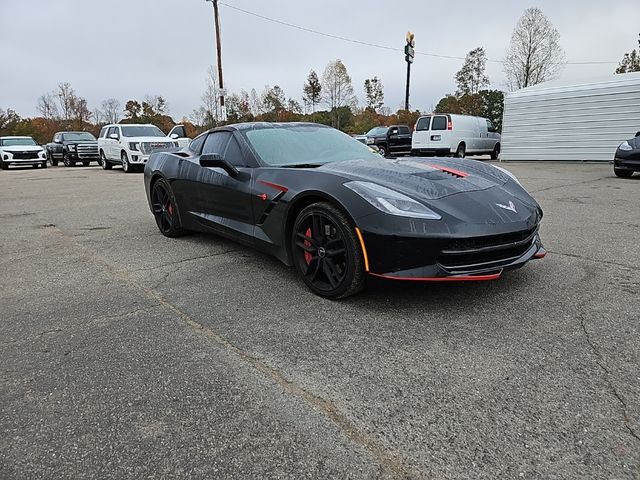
170, 210
307, 243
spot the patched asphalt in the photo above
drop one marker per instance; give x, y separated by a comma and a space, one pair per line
125, 354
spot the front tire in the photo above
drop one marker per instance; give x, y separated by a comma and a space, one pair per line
67, 161
496, 152
126, 166
86, 164
4, 166
44, 164
326, 252
165, 209
622, 173
383, 150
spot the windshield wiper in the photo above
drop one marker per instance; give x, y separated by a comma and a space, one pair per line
303, 165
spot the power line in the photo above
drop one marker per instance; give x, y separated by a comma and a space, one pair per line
374, 45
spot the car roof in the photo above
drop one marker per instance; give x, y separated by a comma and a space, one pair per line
262, 125
16, 136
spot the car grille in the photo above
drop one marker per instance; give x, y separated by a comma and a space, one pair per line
468, 255
149, 147
24, 155
88, 150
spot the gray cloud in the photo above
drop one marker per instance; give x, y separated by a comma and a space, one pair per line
129, 48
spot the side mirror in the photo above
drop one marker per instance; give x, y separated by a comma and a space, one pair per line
175, 135
216, 161
114, 136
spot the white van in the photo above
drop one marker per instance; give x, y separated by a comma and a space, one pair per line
459, 135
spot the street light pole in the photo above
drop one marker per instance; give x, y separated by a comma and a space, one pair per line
409, 53
216, 21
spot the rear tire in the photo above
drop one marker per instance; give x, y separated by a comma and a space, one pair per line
326, 252
496, 152
461, 152
103, 162
165, 209
622, 173
44, 164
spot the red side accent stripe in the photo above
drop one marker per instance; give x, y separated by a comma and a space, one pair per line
540, 255
274, 185
459, 278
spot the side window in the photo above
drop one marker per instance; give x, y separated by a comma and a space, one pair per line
233, 155
423, 124
216, 142
111, 131
103, 132
490, 126
439, 123
393, 131
179, 131
404, 131
196, 145
57, 139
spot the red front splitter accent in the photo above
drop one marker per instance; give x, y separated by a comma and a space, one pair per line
455, 278
540, 253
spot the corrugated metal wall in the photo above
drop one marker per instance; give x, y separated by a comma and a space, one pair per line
581, 122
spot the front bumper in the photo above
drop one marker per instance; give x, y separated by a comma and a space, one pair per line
137, 158
627, 161
26, 161
449, 258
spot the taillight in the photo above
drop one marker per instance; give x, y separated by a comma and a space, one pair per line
449, 125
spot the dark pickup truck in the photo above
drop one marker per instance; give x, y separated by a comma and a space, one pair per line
393, 140
72, 148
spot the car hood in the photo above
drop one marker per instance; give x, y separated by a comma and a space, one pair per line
21, 148
77, 142
424, 179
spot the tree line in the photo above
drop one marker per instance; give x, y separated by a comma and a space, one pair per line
534, 55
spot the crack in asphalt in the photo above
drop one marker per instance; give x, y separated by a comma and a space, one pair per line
178, 262
607, 375
553, 187
391, 461
603, 262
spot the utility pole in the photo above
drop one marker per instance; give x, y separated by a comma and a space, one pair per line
409, 53
216, 21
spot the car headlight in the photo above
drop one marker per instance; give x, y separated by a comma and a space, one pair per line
625, 147
370, 141
71, 148
390, 201
509, 174
133, 146
176, 144
43, 154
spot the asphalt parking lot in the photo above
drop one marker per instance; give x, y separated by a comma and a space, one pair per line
125, 354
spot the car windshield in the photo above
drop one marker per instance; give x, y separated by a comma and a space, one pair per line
7, 142
141, 131
77, 136
377, 131
306, 145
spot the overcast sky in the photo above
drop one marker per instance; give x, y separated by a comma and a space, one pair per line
129, 48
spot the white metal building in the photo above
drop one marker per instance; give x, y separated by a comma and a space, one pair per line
583, 121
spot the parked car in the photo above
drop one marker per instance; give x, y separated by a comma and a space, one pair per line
179, 134
130, 145
321, 201
21, 151
458, 135
627, 157
72, 148
392, 140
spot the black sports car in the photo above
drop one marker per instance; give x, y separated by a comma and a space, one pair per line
322, 201
627, 158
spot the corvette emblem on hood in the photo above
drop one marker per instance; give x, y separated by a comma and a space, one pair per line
510, 206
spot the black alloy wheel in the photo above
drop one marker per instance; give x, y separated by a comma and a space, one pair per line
103, 162
326, 252
165, 211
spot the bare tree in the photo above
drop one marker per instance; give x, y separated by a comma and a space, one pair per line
47, 106
534, 54
471, 78
66, 98
110, 110
255, 103
374, 91
80, 111
337, 89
